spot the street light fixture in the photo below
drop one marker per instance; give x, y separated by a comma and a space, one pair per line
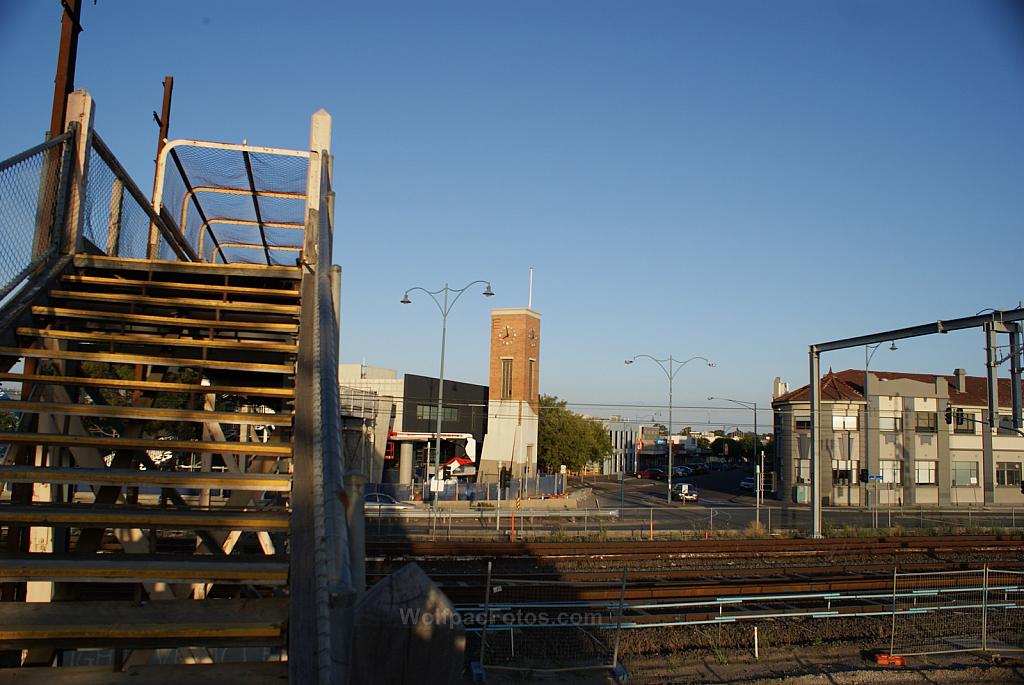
444, 306
670, 372
759, 466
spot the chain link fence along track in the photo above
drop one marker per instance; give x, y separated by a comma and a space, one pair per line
957, 611
544, 627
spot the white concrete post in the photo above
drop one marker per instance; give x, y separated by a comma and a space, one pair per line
82, 110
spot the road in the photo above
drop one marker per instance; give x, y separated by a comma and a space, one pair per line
721, 505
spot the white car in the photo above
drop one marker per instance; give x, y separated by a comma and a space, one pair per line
378, 502
685, 492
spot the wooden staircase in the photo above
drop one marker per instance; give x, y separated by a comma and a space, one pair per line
147, 476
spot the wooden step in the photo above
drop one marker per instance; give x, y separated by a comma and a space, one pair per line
147, 413
257, 482
153, 386
151, 624
103, 283
250, 673
267, 449
291, 273
90, 516
143, 568
181, 303
101, 337
120, 358
175, 321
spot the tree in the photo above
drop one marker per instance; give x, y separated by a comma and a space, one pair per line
565, 437
703, 443
725, 447
686, 431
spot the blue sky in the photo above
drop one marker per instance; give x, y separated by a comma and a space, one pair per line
728, 179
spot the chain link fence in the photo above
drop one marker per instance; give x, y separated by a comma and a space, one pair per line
30, 185
543, 627
957, 611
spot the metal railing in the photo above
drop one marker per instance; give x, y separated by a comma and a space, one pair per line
957, 611
118, 216
33, 194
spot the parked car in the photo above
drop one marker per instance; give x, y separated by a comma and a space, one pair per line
685, 492
718, 466
656, 474
681, 471
378, 501
748, 483
699, 468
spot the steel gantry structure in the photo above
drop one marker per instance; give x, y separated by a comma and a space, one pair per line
993, 323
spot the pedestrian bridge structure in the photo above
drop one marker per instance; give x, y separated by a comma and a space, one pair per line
171, 491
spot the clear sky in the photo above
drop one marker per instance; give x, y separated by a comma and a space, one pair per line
728, 179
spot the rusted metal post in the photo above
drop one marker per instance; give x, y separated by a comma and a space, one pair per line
67, 56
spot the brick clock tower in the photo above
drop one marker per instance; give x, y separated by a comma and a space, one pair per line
514, 401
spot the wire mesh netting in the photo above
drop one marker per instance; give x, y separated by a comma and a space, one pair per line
1004, 616
550, 626
28, 201
958, 611
230, 215
116, 223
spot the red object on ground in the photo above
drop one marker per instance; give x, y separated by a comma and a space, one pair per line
887, 660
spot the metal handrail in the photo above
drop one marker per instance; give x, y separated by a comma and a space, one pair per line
22, 156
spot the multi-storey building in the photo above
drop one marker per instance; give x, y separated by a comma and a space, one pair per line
885, 439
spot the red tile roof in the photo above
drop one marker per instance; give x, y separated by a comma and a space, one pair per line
848, 386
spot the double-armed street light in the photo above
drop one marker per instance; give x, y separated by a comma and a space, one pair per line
758, 453
671, 367
444, 306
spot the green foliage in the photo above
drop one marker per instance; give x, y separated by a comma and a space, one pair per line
725, 447
565, 437
703, 443
165, 400
8, 422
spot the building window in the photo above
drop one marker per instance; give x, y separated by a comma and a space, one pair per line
803, 470
506, 379
844, 472
926, 422
428, 412
925, 472
844, 423
1006, 425
964, 422
965, 473
529, 379
891, 424
803, 423
1008, 473
891, 471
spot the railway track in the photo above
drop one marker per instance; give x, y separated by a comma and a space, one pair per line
414, 550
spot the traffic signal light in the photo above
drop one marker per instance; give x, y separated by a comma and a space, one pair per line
949, 414
504, 477
1022, 487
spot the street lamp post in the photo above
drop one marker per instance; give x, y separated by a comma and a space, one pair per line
444, 306
670, 372
867, 427
759, 492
